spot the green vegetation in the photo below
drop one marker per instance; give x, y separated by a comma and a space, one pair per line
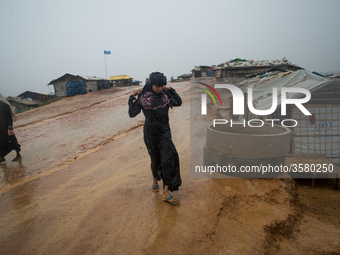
49, 101
45, 103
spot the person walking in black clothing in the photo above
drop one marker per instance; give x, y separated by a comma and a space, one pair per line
8, 141
154, 100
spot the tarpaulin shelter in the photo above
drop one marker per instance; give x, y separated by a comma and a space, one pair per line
315, 134
184, 76
38, 96
121, 80
239, 68
202, 71
22, 104
71, 85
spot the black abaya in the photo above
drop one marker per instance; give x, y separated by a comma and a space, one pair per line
7, 143
157, 136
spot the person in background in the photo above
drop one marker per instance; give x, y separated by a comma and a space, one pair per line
154, 100
8, 141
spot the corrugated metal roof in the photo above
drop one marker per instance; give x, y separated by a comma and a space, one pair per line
120, 77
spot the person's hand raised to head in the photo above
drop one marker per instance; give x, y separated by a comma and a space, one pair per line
166, 88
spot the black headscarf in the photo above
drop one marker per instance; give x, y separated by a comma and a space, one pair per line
156, 78
151, 100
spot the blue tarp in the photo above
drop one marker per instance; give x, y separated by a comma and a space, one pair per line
103, 85
74, 88
319, 74
209, 72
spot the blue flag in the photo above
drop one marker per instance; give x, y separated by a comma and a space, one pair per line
107, 52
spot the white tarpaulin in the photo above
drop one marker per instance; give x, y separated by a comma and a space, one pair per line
300, 79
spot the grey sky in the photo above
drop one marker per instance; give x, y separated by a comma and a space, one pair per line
43, 40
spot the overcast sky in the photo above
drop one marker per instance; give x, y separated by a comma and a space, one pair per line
43, 40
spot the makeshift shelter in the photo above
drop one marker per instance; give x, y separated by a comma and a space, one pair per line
202, 71
136, 83
71, 85
184, 76
241, 68
121, 80
316, 134
22, 104
37, 96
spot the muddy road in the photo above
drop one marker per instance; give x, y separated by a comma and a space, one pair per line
83, 186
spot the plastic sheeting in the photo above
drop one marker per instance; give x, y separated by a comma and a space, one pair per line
103, 84
209, 72
316, 134
120, 77
300, 79
322, 137
74, 88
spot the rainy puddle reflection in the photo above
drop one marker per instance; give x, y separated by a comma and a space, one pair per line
11, 172
19, 203
22, 197
166, 218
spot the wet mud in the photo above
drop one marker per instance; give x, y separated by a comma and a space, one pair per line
83, 186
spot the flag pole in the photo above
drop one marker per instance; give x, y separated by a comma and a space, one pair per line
105, 65
106, 53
